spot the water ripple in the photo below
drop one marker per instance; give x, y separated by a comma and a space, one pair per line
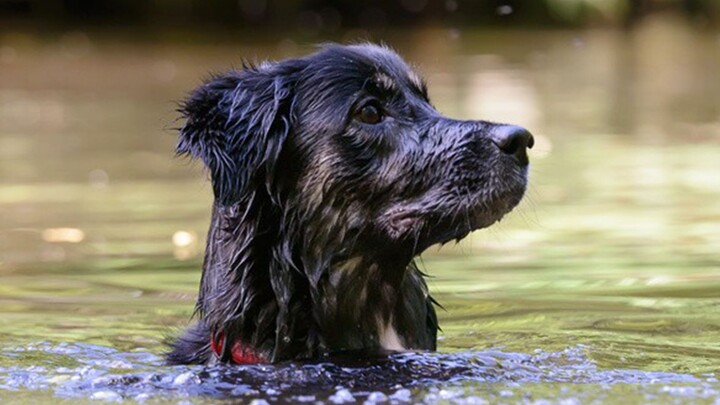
96, 372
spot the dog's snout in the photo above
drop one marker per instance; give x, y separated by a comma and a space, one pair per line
513, 140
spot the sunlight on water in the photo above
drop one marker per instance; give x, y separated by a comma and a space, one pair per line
69, 235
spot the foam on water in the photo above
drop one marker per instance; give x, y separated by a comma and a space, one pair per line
96, 372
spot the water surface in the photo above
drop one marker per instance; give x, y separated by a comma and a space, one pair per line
604, 285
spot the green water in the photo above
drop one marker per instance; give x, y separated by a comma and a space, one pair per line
614, 251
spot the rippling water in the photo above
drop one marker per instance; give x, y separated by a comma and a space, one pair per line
74, 371
603, 286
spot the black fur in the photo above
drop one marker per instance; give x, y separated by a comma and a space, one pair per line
318, 213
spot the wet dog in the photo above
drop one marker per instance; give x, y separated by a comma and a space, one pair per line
331, 172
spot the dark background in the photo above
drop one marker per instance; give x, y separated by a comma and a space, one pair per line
315, 17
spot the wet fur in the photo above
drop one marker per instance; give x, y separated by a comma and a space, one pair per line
317, 217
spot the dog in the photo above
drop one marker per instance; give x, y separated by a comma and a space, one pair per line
331, 173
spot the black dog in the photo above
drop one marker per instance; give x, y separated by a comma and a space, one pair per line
331, 172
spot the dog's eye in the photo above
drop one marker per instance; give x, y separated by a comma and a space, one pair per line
370, 114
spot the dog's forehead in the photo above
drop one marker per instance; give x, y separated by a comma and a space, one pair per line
388, 67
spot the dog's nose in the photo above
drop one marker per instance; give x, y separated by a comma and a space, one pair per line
513, 140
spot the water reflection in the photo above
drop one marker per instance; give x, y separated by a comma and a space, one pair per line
186, 245
68, 235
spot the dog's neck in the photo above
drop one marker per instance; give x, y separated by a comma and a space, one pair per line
359, 304
323, 303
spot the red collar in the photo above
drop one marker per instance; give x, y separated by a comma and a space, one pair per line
239, 354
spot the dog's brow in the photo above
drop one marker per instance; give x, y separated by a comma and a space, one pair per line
385, 82
418, 83
415, 79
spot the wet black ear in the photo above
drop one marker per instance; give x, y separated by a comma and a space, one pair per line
237, 123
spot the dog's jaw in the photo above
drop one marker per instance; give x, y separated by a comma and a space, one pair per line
418, 226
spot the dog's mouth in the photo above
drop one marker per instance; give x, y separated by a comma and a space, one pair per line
420, 226
423, 228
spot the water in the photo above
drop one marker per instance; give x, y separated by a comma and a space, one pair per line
604, 285
95, 372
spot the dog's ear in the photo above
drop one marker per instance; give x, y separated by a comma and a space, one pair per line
236, 123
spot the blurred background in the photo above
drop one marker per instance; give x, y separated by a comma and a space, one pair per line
615, 247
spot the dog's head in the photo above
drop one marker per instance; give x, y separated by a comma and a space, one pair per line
330, 173
346, 144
